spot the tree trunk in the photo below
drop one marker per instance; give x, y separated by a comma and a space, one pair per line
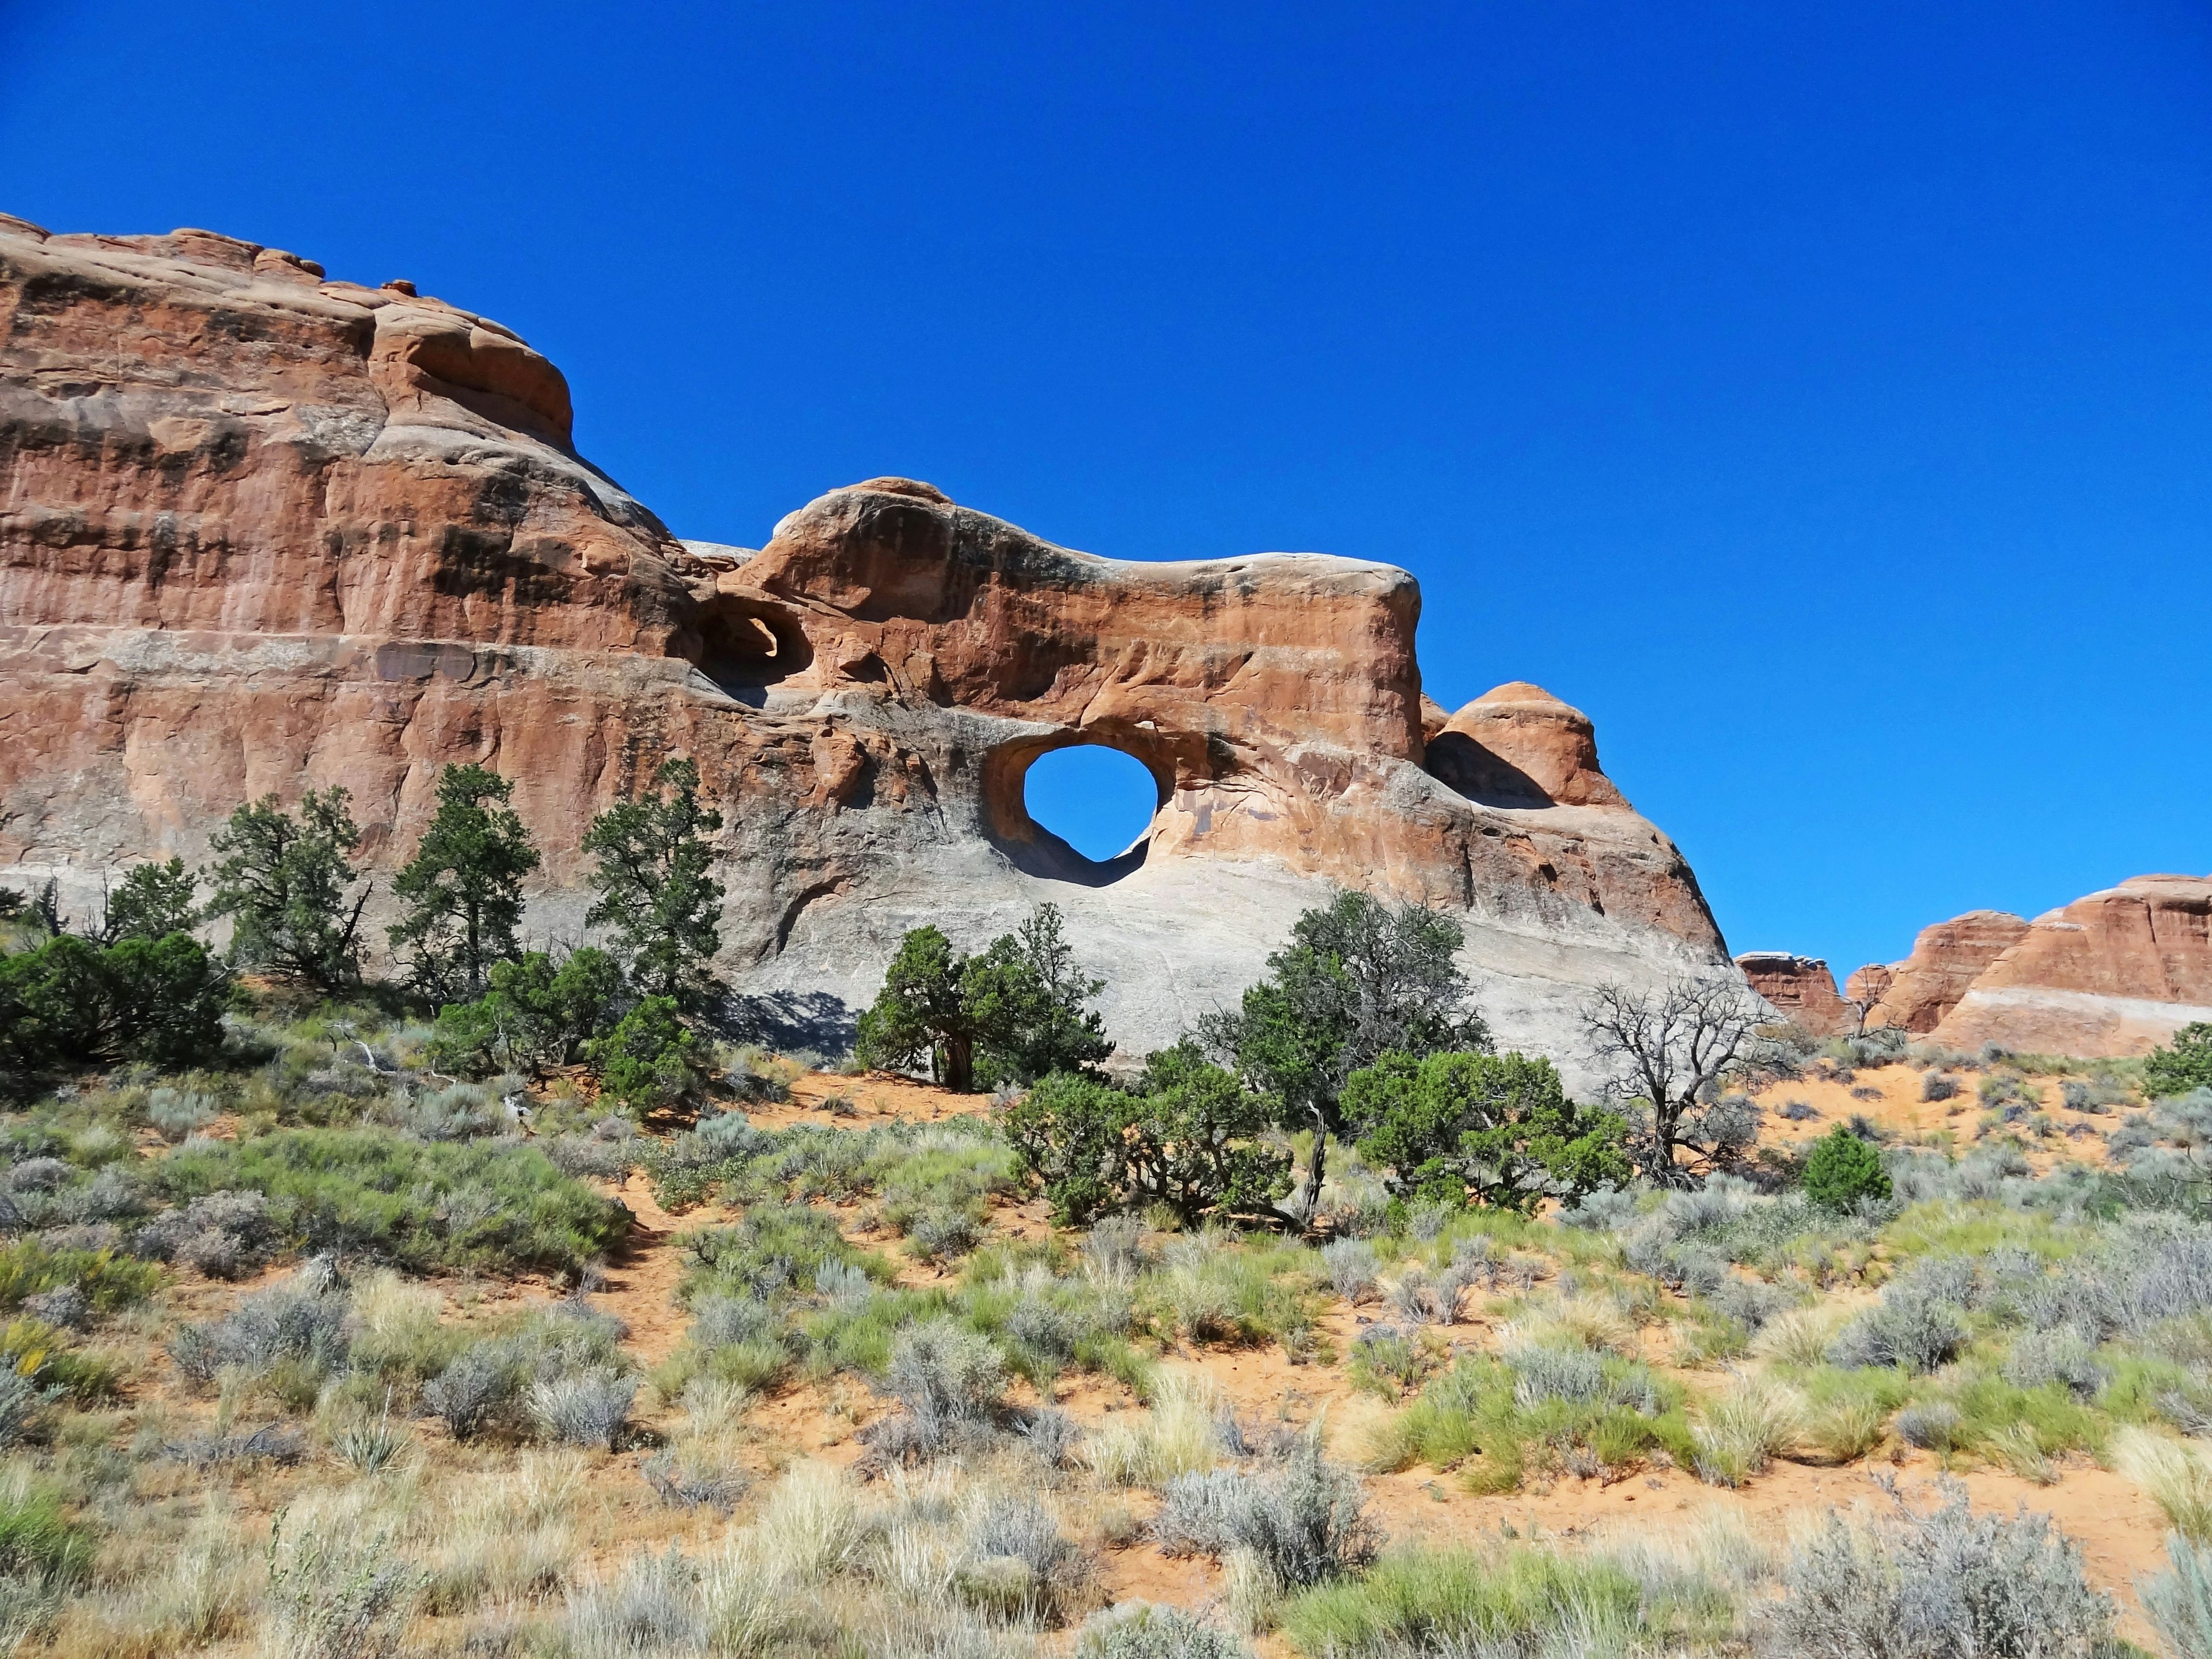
1308, 1199
959, 1063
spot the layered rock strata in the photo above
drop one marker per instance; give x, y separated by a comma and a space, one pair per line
1916, 993
2118, 972
1802, 989
260, 530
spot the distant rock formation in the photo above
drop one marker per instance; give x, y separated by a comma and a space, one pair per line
2116, 973
260, 532
1946, 960
1801, 988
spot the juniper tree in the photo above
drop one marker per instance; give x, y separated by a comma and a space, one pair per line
1358, 979
153, 901
463, 887
283, 882
655, 889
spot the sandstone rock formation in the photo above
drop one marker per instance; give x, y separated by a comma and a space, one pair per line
2116, 973
1947, 959
260, 530
1801, 988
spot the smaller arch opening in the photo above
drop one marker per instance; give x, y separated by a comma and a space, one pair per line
746, 648
1097, 799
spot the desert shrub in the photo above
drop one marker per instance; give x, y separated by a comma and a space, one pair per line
1140, 1630
1933, 1426
649, 1060
1458, 1600
537, 1014
1351, 1267
175, 1113
1605, 1209
951, 1380
1492, 1129
1938, 1085
2061, 1355
2183, 1065
494, 1382
2178, 1602
106, 1280
1914, 1333
335, 1596
1304, 1518
1187, 1134
687, 1483
1934, 1584
585, 1410
1114, 1249
222, 1234
72, 1003
1009, 1532
1842, 1169
771, 1251
302, 1319
423, 1206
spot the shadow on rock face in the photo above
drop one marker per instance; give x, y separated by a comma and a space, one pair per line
1463, 765
787, 1020
1049, 858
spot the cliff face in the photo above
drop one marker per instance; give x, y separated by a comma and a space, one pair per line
261, 532
2115, 973
1802, 989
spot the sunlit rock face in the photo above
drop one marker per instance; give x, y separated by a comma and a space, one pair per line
262, 531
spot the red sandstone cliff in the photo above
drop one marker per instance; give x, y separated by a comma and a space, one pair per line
261, 530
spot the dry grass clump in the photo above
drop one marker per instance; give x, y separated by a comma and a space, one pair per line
2177, 1474
1746, 1428
1180, 1434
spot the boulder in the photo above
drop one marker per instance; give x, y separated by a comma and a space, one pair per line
264, 531
1801, 989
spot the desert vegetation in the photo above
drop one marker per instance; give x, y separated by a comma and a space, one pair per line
506, 1305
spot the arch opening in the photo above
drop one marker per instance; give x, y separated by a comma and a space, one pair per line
1096, 799
746, 648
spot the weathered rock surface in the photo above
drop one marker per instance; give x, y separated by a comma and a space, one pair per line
260, 532
1801, 988
1947, 959
2116, 973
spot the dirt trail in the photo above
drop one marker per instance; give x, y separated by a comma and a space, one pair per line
642, 1277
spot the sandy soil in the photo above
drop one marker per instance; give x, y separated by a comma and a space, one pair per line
2120, 1532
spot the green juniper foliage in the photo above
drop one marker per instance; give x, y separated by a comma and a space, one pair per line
1358, 979
72, 1003
649, 1059
153, 901
1188, 1134
463, 887
2184, 1064
1027, 998
654, 887
283, 882
1492, 1129
1014, 1012
536, 1016
921, 1014
1842, 1169
421, 1206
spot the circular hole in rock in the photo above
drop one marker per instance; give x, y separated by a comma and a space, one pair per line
1096, 799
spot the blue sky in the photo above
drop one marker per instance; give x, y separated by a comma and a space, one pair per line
1818, 397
